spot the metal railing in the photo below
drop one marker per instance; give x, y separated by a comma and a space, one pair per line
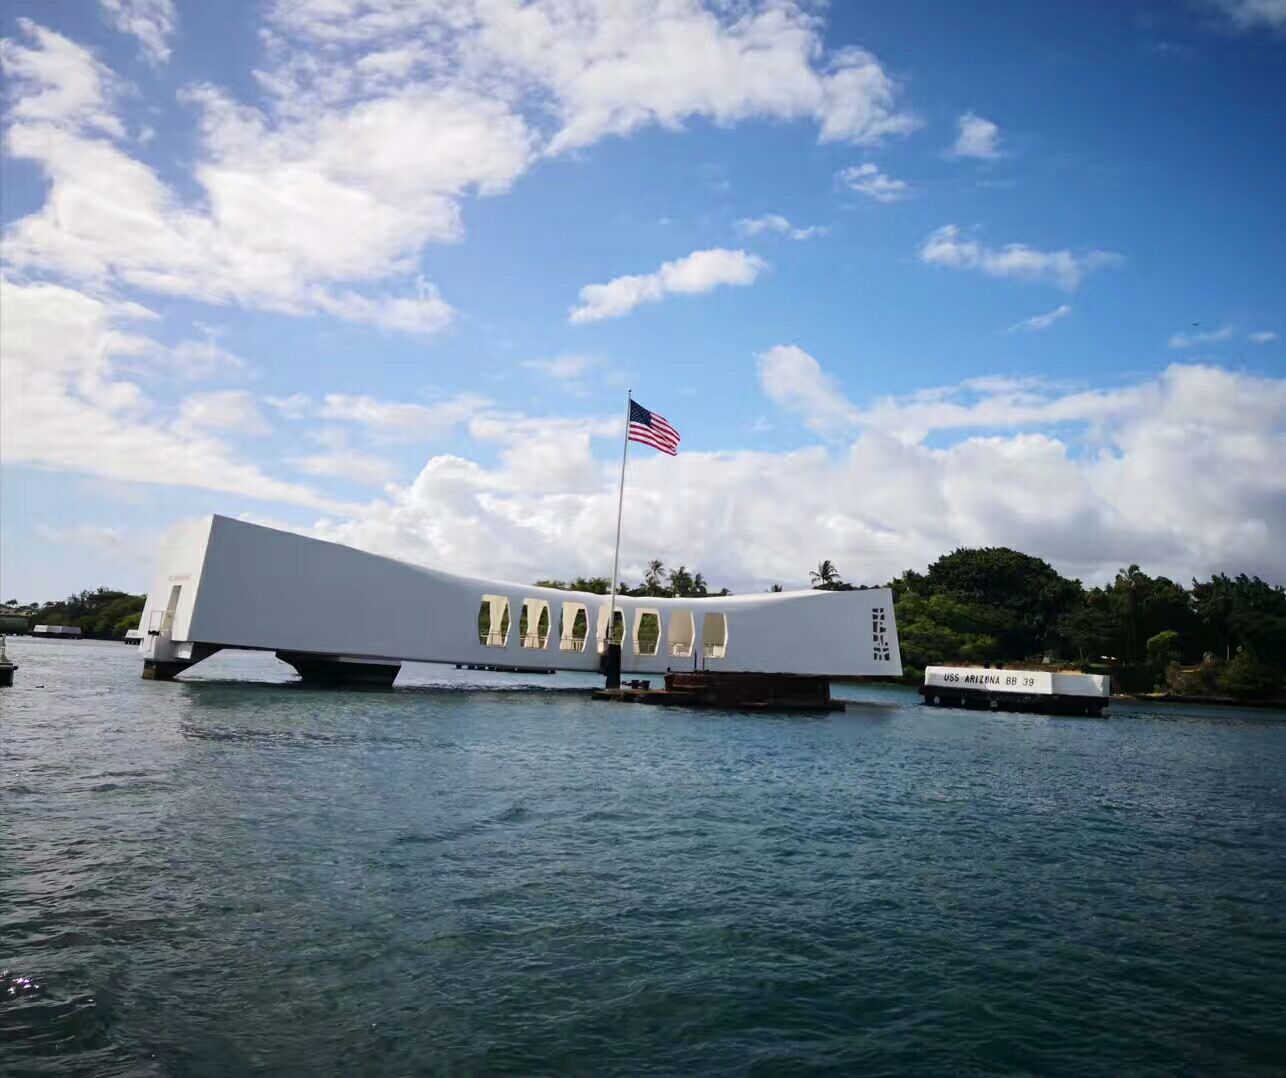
492, 639
575, 643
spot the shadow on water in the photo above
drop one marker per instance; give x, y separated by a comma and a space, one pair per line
331, 691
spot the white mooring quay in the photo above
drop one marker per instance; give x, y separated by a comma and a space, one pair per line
342, 615
995, 687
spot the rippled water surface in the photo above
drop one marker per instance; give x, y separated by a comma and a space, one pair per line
220, 877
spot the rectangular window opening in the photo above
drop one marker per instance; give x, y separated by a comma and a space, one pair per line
493, 621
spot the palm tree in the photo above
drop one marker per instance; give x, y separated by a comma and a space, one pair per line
680, 581
698, 584
825, 575
776, 587
652, 578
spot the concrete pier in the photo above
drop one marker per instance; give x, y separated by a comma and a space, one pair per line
163, 670
732, 690
337, 670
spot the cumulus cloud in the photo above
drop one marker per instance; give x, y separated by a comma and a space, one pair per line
1180, 472
948, 246
66, 406
1038, 322
151, 21
378, 119
775, 222
866, 179
296, 212
976, 137
56, 81
609, 67
795, 382
699, 272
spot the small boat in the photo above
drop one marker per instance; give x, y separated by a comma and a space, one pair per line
996, 688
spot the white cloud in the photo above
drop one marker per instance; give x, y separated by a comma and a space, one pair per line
102, 537
567, 371
795, 381
221, 410
565, 368
424, 313
189, 360
64, 405
416, 422
1252, 14
1038, 322
378, 119
58, 82
949, 247
609, 67
294, 207
701, 271
775, 222
868, 180
1196, 340
1263, 336
976, 137
365, 469
151, 21
1179, 472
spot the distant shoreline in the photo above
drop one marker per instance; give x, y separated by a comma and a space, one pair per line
1210, 701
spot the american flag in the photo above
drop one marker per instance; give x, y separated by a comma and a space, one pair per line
652, 429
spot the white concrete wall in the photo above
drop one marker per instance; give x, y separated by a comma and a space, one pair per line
257, 587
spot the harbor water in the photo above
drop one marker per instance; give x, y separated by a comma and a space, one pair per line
221, 876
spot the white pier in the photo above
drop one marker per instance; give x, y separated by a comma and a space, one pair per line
342, 615
1058, 692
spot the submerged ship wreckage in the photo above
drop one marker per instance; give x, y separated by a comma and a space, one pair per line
343, 616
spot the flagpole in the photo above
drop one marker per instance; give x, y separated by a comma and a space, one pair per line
616, 557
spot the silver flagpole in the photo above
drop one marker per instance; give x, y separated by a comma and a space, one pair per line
620, 505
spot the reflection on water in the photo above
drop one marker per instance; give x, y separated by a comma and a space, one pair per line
218, 877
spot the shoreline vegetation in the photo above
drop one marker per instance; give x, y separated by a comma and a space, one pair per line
1219, 640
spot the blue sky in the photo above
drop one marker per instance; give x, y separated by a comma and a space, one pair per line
905, 276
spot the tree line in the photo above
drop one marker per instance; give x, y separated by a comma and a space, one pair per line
102, 613
1225, 636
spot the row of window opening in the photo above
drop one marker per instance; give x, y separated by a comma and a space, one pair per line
535, 620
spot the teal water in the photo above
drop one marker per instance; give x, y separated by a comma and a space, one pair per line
222, 878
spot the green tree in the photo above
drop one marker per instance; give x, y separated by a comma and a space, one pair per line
1163, 652
825, 575
1026, 594
1090, 627
680, 581
1248, 677
652, 578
